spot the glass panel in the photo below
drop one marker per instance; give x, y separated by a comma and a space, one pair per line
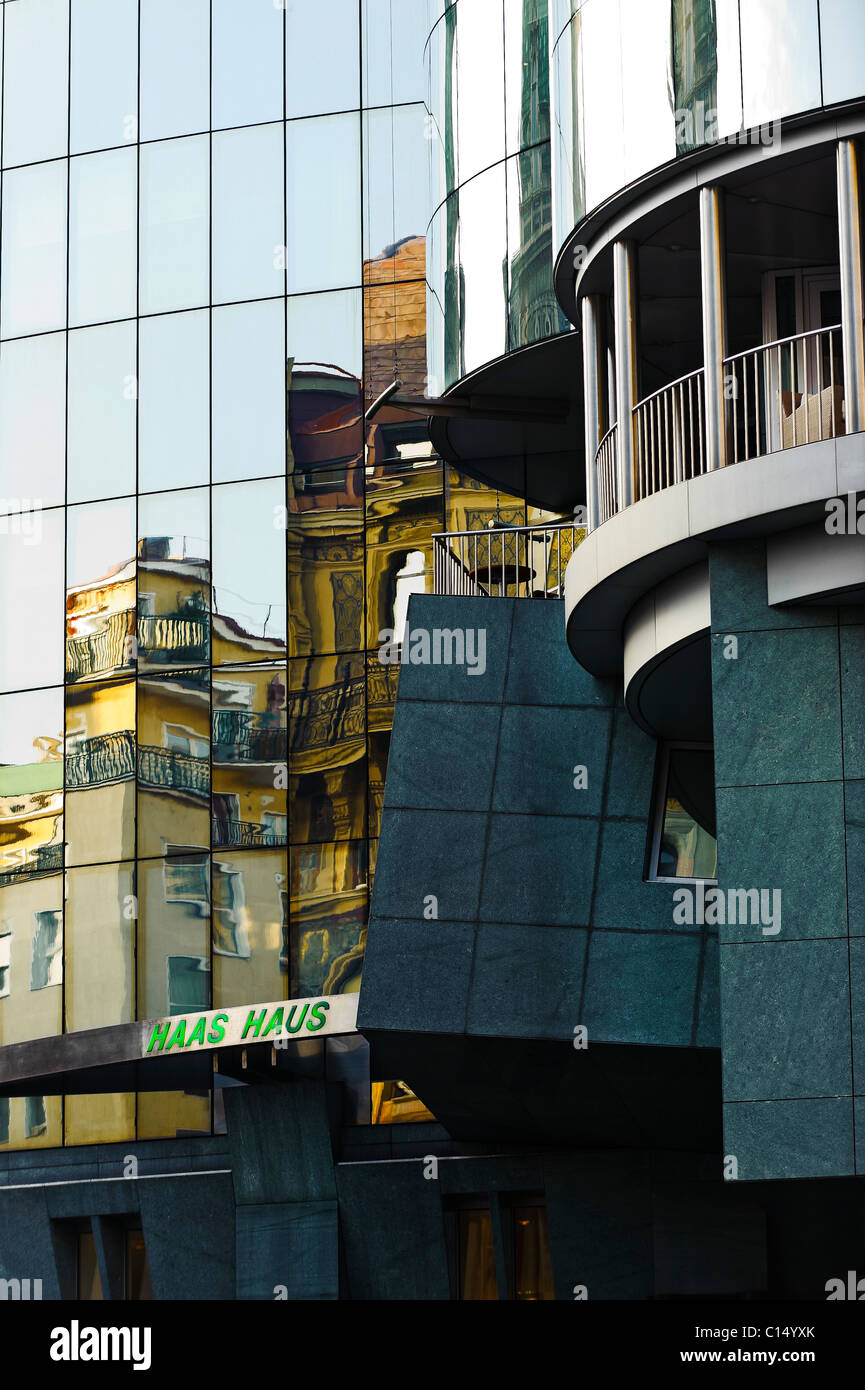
35, 81
323, 252
481, 86
249, 716
325, 560
33, 286
99, 1119
31, 857
249, 391
31, 1122
173, 958
404, 510
173, 766
645, 88
31, 781
322, 63
327, 739
175, 67
138, 1285
100, 589
100, 772
780, 59
477, 1257
393, 56
328, 912
706, 59
250, 927
174, 401
249, 756
173, 579
32, 392
249, 617
324, 367
533, 309
396, 189
483, 251
527, 86
597, 29
249, 214
842, 48
102, 414
167, 1115
31, 601
442, 103
102, 217
533, 1267
688, 845
247, 62
104, 90
100, 930
175, 231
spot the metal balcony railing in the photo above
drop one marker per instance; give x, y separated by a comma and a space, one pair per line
243, 736
605, 467
786, 393
170, 769
110, 648
669, 435
231, 833
97, 761
174, 637
777, 395
45, 859
505, 561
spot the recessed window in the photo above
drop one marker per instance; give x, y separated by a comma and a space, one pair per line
684, 844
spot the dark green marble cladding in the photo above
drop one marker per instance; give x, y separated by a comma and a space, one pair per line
508, 901
789, 769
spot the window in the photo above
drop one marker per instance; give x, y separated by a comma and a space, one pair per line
46, 961
35, 1121
126, 1253
684, 844
5, 961
4, 1120
185, 879
229, 935
499, 1248
188, 983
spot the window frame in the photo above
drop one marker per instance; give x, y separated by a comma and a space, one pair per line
658, 813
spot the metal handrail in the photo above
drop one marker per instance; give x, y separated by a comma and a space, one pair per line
799, 414
606, 456
505, 561
669, 434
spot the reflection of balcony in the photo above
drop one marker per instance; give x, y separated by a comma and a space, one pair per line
176, 637
240, 736
232, 833
45, 859
97, 761
328, 716
169, 769
110, 648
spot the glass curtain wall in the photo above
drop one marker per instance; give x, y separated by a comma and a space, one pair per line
213, 225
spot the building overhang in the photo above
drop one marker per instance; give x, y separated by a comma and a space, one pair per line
636, 550
506, 438
175, 1053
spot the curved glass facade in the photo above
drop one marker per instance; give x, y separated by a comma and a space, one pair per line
489, 240
637, 82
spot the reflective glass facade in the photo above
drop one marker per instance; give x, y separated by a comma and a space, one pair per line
637, 82
213, 257
490, 250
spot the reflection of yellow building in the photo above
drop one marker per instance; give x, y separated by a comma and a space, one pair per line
100, 625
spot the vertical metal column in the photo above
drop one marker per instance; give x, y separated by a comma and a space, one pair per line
625, 320
852, 301
594, 371
714, 294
